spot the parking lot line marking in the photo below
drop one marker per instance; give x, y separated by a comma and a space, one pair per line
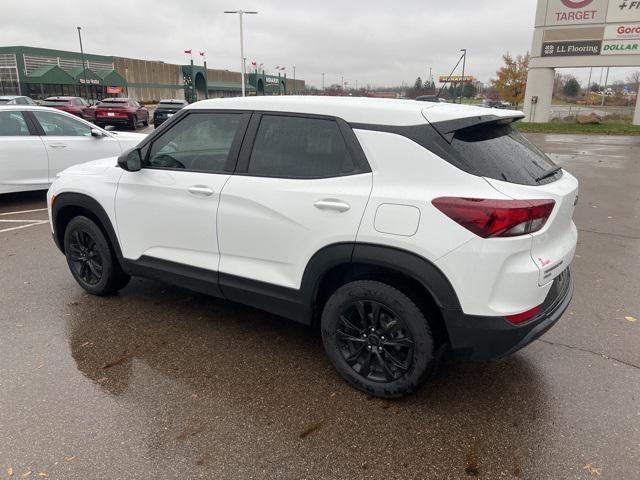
23, 211
41, 222
21, 221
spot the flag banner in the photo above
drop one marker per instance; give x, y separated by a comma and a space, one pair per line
187, 51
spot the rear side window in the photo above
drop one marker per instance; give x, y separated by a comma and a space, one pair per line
502, 153
298, 147
12, 124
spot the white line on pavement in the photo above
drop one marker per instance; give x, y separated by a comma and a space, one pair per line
23, 211
41, 222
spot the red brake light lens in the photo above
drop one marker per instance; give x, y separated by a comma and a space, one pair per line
496, 218
524, 316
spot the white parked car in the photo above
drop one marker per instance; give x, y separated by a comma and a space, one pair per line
38, 142
405, 229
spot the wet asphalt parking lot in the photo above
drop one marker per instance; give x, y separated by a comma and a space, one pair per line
159, 382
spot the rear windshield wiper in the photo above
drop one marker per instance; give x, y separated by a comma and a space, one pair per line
549, 173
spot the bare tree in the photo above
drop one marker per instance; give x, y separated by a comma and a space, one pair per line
634, 79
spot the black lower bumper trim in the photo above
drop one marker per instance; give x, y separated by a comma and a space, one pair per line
483, 338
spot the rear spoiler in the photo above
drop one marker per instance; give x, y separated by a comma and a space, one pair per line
448, 128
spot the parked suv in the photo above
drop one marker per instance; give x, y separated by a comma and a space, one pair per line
74, 105
166, 109
121, 111
406, 230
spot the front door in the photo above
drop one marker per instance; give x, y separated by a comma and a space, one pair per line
167, 210
68, 141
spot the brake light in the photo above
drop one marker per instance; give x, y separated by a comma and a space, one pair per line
496, 218
524, 316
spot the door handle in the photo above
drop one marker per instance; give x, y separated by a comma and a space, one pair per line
331, 204
58, 145
200, 190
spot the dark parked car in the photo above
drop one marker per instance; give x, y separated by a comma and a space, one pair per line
74, 105
121, 111
166, 109
16, 100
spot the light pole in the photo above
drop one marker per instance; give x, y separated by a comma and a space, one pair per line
240, 14
294, 79
323, 82
84, 68
464, 61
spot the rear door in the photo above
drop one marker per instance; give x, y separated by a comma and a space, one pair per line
302, 183
69, 141
23, 156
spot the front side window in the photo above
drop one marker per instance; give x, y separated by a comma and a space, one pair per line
13, 124
298, 147
200, 141
57, 125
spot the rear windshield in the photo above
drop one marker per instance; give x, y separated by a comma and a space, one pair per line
47, 103
113, 103
170, 105
502, 153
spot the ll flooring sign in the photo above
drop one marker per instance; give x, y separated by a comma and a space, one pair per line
572, 48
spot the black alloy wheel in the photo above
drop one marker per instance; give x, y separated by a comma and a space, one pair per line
85, 258
374, 341
378, 339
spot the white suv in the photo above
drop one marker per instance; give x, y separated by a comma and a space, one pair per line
405, 230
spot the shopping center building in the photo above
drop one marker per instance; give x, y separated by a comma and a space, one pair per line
40, 73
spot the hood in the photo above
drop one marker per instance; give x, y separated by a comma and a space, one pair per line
128, 136
93, 167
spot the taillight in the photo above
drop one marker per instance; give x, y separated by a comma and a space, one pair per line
524, 316
496, 218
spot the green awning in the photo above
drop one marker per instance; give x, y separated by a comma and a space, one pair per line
229, 87
112, 78
79, 74
51, 74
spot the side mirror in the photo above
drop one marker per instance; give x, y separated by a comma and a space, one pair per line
131, 160
96, 133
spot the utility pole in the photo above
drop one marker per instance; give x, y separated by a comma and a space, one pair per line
342, 83
84, 68
606, 80
464, 61
322, 82
294, 79
240, 14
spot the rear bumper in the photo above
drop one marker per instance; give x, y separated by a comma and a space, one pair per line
483, 338
113, 121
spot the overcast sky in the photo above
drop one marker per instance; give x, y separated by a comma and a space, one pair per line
373, 42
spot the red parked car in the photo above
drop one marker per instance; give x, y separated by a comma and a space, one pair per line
121, 111
73, 105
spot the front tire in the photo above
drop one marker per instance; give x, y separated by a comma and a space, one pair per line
91, 259
377, 339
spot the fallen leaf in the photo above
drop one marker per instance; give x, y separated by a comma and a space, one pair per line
188, 433
43, 474
309, 429
592, 470
118, 361
10, 472
68, 458
472, 469
26, 474
103, 379
631, 319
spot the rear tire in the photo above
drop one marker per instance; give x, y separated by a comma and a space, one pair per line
146, 121
377, 339
134, 123
91, 259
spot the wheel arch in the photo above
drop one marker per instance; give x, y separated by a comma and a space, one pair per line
416, 276
69, 205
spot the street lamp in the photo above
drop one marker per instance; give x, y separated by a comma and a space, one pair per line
84, 69
240, 14
294, 79
464, 61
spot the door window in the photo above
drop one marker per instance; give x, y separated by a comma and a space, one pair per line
200, 142
299, 147
12, 124
58, 125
